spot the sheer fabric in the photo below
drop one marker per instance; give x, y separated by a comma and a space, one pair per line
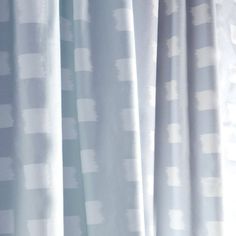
109, 117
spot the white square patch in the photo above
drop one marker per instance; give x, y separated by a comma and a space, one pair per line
171, 6
37, 176
211, 187
31, 11
205, 57
86, 110
206, 100
126, 68
132, 169
201, 14
209, 143
176, 219
88, 161
31, 66
154, 8
81, 10
171, 90
94, 212
173, 178
6, 119
173, 46
214, 228
82, 59
174, 135
4, 62
6, 171
36, 120
7, 222
39, 227
123, 19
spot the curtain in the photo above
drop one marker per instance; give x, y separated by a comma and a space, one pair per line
109, 118
226, 37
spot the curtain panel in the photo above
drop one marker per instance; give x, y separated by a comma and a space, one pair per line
109, 119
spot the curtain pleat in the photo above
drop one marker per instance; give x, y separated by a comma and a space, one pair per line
109, 118
37, 195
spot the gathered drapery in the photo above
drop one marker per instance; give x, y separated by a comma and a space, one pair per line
109, 118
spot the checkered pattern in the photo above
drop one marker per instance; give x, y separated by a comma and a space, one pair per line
101, 110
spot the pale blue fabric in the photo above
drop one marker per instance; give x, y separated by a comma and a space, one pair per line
109, 118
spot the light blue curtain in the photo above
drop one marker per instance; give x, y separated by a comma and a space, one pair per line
109, 118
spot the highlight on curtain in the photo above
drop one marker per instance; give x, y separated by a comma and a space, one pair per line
117, 118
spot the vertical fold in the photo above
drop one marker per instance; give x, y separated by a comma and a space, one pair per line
73, 17
7, 121
205, 152
172, 192
225, 26
145, 33
136, 120
37, 142
116, 132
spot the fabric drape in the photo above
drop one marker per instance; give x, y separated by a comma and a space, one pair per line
109, 118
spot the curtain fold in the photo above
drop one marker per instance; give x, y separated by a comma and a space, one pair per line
109, 118
173, 177
37, 121
225, 32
